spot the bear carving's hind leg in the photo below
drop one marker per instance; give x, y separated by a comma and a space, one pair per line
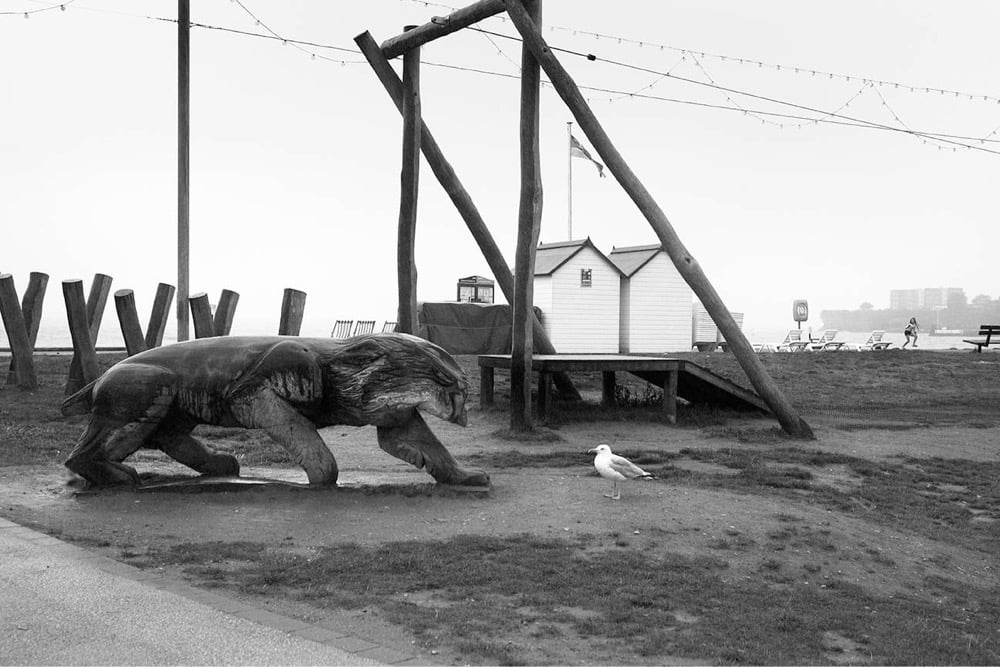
98, 454
414, 442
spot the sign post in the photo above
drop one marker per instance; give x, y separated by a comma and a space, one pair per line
800, 311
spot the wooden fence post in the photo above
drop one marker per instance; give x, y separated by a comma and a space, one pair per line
96, 301
201, 313
159, 315
135, 342
17, 333
225, 310
79, 328
293, 306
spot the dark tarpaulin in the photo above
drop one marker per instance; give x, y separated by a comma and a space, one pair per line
467, 328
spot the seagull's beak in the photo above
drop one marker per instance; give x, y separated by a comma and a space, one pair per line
591, 451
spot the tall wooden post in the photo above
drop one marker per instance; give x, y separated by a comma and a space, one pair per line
528, 226
409, 177
183, 164
686, 265
460, 197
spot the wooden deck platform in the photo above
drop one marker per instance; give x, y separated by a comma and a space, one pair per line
677, 378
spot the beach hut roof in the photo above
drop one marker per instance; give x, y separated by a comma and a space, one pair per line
550, 256
632, 258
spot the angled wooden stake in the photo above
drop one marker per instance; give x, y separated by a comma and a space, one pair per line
128, 319
22, 366
80, 331
293, 307
100, 287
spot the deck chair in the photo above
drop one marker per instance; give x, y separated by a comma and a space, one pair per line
826, 341
364, 327
793, 342
388, 327
875, 342
342, 329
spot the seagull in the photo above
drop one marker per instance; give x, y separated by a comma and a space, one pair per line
616, 468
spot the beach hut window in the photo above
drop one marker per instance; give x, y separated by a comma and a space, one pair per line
585, 275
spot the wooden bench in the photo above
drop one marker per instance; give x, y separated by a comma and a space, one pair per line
990, 333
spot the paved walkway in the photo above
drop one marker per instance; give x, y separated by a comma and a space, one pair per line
64, 605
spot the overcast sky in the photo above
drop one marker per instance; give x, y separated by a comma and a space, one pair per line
295, 160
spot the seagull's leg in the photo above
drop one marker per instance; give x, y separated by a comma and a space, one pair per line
618, 494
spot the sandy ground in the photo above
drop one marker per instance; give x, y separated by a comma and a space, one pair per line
382, 499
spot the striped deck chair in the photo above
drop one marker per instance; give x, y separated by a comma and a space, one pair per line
342, 329
364, 327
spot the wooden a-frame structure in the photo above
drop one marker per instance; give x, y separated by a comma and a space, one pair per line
528, 333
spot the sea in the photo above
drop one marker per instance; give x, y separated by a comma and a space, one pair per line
110, 337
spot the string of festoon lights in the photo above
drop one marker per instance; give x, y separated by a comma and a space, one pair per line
750, 62
783, 120
61, 6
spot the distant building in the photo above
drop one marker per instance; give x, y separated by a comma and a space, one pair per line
926, 298
475, 289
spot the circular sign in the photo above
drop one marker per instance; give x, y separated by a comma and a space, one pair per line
800, 310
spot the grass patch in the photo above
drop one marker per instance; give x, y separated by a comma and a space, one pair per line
482, 594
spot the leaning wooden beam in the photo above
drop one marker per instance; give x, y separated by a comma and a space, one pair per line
439, 27
80, 330
528, 228
31, 312
159, 315
459, 196
293, 307
225, 311
97, 299
686, 265
17, 333
409, 186
128, 319
201, 315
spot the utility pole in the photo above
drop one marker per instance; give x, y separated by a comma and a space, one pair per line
183, 164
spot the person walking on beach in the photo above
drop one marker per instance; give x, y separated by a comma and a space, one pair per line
911, 332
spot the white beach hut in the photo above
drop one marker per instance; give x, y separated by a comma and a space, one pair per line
655, 302
577, 289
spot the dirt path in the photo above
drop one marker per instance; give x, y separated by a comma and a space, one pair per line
384, 500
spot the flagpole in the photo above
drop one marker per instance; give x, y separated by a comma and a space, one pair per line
569, 190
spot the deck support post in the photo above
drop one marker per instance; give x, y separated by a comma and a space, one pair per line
670, 396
